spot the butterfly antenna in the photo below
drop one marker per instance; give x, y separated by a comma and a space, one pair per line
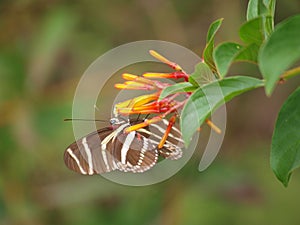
70, 119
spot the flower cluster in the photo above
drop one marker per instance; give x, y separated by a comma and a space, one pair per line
150, 103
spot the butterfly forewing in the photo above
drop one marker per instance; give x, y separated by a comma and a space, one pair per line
109, 149
86, 155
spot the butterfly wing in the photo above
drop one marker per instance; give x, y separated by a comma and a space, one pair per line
111, 149
172, 148
135, 153
86, 155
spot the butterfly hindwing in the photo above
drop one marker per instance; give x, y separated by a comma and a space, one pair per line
172, 148
137, 153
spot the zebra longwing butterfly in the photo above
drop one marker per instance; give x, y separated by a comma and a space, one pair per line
110, 148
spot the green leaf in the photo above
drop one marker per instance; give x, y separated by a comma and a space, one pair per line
213, 28
285, 151
255, 9
224, 55
201, 75
271, 7
208, 51
248, 53
208, 98
193, 82
268, 26
280, 51
258, 8
179, 87
227, 53
254, 31
260, 15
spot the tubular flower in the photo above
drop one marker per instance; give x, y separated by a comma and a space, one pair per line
132, 106
164, 138
161, 58
174, 75
140, 83
144, 124
134, 86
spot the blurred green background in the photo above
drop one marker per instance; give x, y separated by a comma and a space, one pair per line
45, 48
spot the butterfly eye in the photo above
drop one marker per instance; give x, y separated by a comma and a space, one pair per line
114, 121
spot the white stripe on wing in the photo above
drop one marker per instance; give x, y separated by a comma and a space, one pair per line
76, 160
126, 145
89, 155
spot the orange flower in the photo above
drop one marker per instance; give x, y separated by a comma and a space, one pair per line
161, 58
132, 85
149, 104
130, 106
144, 124
174, 75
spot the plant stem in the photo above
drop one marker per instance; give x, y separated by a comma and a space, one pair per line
290, 73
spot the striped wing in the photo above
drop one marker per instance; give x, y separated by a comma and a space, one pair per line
134, 152
110, 149
86, 156
172, 149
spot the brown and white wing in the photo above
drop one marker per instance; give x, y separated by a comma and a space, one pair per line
87, 155
111, 149
134, 152
172, 149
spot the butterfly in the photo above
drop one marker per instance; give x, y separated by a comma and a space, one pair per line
111, 148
